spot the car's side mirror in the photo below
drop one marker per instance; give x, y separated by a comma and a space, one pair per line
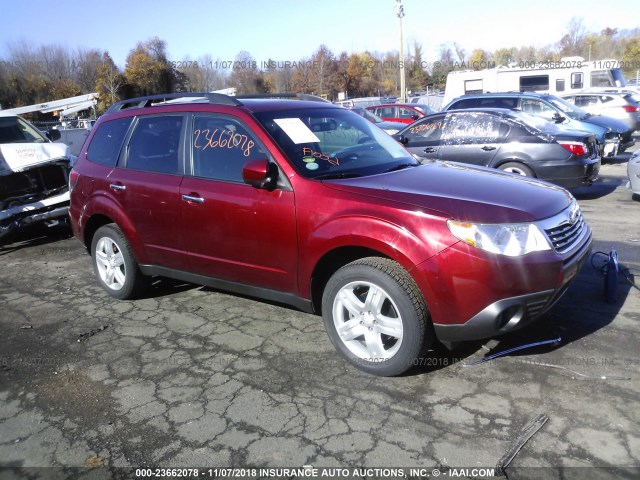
401, 139
260, 174
415, 116
53, 135
557, 118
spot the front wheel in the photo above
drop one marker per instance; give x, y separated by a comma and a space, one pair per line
376, 316
114, 264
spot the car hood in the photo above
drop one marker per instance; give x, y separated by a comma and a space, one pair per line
15, 157
614, 124
464, 192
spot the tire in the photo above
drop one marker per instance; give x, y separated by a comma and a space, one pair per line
114, 264
387, 338
517, 168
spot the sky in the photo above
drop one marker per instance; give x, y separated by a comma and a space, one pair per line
288, 30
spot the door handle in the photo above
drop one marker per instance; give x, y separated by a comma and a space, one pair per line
193, 198
487, 148
430, 150
115, 186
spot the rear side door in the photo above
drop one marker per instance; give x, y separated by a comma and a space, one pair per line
471, 137
146, 183
234, 231
423, 136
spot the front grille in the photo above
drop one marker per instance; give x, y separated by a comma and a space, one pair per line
566, 229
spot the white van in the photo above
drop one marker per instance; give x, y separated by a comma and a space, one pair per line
565, 76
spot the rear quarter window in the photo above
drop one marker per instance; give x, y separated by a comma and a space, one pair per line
107, 142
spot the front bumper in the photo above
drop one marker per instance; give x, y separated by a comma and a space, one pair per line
472, 294
17, 217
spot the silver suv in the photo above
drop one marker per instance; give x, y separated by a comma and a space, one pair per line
622, 105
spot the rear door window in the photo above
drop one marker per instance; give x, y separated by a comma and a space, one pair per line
473, 128
155, 144
106, 144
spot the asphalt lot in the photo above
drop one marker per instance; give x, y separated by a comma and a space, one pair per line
193, 377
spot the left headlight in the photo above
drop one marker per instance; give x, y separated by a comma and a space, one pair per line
510, 239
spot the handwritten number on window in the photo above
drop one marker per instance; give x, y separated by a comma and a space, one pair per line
222, 139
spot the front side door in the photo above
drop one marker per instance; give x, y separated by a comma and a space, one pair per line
234, 231
423, 137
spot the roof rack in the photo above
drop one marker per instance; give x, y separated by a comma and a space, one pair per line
298, 96
168, 98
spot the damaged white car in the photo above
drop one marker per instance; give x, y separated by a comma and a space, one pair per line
34, 176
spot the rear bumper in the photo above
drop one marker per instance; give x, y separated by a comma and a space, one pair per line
570, 174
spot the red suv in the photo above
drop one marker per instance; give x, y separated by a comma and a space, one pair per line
307, 203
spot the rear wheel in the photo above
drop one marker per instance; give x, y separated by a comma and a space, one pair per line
376, 317
517, 168
114, 264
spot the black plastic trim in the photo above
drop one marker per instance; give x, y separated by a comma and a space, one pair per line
230, 286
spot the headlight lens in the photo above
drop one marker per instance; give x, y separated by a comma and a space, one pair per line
510, 239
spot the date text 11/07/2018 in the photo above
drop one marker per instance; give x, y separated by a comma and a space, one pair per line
314, 472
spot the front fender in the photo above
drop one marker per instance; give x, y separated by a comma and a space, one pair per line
407, 246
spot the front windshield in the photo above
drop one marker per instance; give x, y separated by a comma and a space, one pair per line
569, 109
326, 143
16, 130
424, 108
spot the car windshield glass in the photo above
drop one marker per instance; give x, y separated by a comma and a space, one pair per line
424, 109
328, 143
570, 110
16, 130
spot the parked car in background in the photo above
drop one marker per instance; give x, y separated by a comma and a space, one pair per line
401, 112
624, 106
389, 127
306, 203
633, 170
34, 175
613, 136
511, 141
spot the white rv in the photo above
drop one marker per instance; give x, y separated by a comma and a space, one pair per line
568, 75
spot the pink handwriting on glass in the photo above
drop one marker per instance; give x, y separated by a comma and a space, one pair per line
307, 151
223, 139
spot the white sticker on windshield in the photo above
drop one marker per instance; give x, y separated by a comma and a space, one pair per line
296, 130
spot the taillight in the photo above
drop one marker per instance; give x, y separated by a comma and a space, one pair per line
576, 148
630, 109
73, 179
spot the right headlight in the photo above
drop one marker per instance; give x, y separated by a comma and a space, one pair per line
510, 239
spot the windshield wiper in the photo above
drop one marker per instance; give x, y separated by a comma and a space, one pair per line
334, 175
402, 166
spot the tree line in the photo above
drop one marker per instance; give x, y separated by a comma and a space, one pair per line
30, 75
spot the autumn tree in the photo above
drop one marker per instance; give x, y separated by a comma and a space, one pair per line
109, 82
245, 75
148, 71
202, 74
416, 74
572, 43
